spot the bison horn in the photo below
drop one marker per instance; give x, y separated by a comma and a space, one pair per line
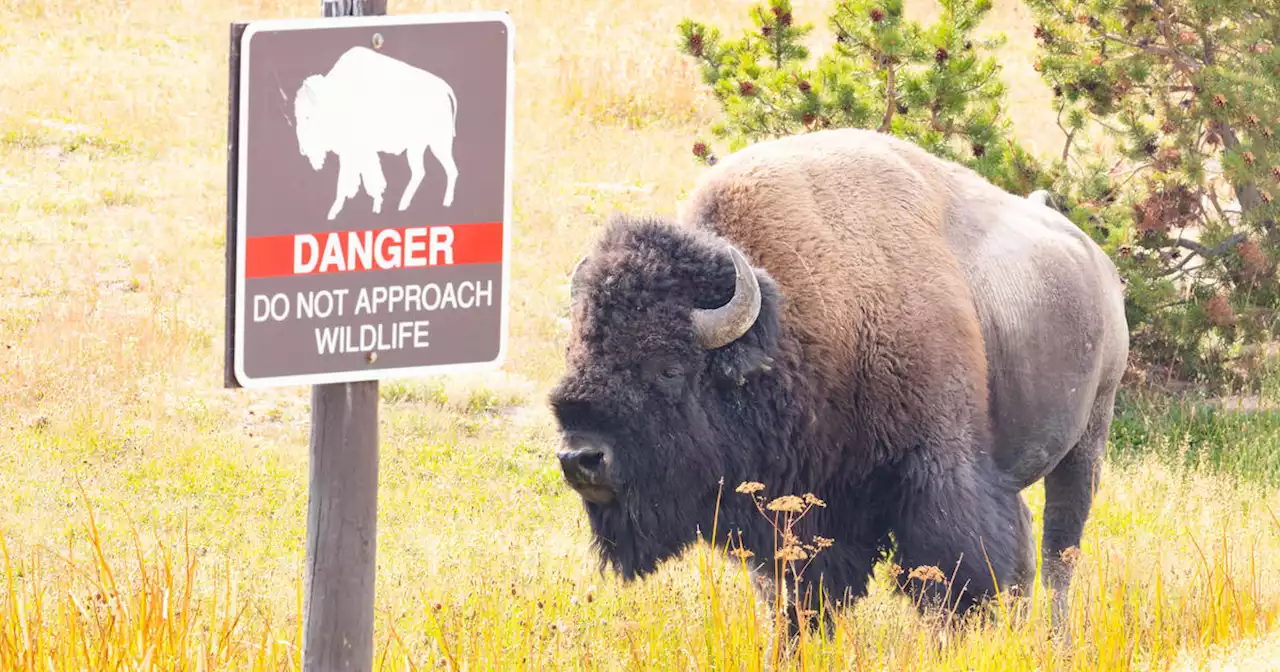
574, 288
717, 327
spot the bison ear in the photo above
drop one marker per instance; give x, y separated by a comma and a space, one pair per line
753, 353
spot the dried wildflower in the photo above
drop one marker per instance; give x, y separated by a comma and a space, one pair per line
790, 554
788, 503
1071, 556
750, 487
822, 542
742, 553
927, 573
810, 499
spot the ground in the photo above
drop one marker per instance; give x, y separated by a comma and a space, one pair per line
113, 420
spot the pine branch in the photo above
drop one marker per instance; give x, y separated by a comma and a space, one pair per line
891, 97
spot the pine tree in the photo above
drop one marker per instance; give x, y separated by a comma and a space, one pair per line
1189, 91
936, 85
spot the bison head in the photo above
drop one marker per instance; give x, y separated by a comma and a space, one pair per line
307, 114
672, 386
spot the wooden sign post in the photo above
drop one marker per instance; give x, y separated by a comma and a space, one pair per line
368, 237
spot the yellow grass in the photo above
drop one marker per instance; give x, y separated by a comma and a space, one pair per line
152, 519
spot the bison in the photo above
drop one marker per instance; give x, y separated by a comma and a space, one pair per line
369, 103
844, 314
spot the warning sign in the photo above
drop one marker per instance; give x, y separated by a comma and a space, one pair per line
371, 197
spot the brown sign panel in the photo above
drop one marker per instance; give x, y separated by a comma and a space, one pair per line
372, 197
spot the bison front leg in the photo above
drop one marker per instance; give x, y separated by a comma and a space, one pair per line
963, 535
348, 184
375, 183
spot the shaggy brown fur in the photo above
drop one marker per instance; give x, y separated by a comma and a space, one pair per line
927, 345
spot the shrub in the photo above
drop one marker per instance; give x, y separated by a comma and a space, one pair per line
936, 85
1186, 90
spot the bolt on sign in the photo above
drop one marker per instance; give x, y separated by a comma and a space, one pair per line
371, 205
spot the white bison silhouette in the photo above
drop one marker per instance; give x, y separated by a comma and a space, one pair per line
370, 103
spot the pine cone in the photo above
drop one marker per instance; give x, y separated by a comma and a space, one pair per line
807, 119
695, 44
1219, 311
1220, 100
1252, 120
1275, 172
766, 30
940, 55
1253, 263
747, 88
877, 15
1249, 158
979, 150
804, 86
902, 108
1057, 90
1168, 127
700, 150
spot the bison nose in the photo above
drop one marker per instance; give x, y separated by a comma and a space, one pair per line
586, 469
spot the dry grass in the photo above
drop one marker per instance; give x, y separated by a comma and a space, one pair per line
112, 132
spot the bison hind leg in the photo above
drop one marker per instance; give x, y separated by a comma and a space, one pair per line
414, 155
1069, 491
442, 149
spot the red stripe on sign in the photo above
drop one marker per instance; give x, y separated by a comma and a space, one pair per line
373, 249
